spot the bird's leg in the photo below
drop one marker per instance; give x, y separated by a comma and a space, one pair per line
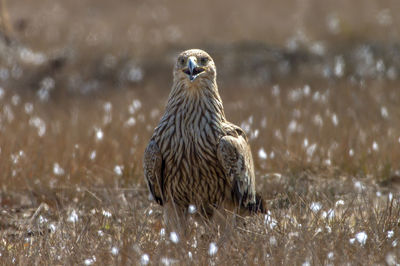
174, 217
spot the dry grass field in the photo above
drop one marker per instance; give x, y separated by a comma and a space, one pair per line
327, 159
323, 122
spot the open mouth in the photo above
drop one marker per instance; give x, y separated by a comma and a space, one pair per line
196, 71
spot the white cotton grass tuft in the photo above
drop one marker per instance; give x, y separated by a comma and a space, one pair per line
118, 169
335, 120
99, 134
107, 107
305, 143
328, 162
276, 90
57, 169
330, 255
52, 227
106, 213
330, 214
144, 259
262, 154
361, 237
212, 249
162, 232
390, 196
136, 105
315, 206
339, 202
269, 220
384, 112
28, 108
114, 251
73, 217
192, 209
173, 236
311, 149
375, 146
90, 261
359, 186
39, 124
92, 155
130, 122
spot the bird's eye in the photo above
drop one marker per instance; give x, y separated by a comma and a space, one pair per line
181, 60
203, 60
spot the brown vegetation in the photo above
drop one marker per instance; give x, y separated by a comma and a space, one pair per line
75, 117
83, 156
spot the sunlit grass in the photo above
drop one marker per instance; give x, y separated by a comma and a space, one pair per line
327, 161
82, 87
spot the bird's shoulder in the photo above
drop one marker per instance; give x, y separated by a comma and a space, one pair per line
233, 130
233, 144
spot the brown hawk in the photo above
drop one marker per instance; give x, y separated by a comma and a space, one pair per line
195, 155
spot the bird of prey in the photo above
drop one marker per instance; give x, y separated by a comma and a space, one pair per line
195, 156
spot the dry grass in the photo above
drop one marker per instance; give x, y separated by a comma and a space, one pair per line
322, 113
321, 194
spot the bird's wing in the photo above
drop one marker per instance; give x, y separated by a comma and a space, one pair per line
153, 165
235, 157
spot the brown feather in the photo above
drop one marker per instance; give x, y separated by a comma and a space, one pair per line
205, 160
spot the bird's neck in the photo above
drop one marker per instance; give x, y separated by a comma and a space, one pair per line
197, 98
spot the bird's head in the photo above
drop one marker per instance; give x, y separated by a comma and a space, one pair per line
194, 66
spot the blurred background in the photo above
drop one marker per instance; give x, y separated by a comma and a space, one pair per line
85, 46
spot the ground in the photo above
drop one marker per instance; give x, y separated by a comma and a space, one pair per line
326, 158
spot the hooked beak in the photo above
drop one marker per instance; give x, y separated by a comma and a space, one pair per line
193, 69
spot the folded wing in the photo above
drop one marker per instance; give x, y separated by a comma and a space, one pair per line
235, 157
153, 165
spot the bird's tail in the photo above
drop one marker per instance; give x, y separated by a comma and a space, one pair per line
258, 206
